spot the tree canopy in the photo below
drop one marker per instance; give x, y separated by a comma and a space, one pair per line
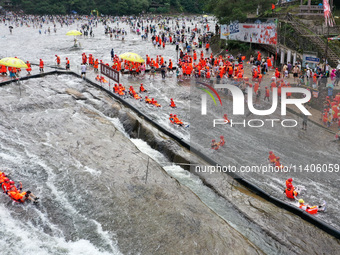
224, 10
230, 10
109, 7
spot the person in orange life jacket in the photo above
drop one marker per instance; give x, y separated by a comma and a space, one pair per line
115, 88
177, 121
312, 209
170, 66
214, 145
41, 66
290, 192
222, 141
14, 188
67, 64
57, 60
91, 60
142, 89
131, 91
95, 65
172, 103
2, 178
3, 70
289, 181
225, 116
6, 185
136, 96
29, 69
277, 73
171, 118
21, 197
266, 96
147, 100
272, 157
277, 163
156, 104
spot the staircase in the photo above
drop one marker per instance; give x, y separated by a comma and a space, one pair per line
315, 40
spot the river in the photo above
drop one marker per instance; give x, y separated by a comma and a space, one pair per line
46, 140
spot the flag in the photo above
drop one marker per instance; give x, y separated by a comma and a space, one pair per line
273, 6
327, 12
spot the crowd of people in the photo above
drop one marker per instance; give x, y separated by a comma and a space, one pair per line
191, 39
15, 192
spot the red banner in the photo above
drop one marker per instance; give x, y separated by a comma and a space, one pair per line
109, 72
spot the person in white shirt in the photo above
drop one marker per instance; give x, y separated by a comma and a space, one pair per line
83, 70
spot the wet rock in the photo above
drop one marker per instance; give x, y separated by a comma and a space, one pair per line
75, 94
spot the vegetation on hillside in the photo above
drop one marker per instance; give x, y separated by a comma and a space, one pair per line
230, 10
109, 7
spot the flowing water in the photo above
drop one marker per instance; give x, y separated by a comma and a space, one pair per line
43, 145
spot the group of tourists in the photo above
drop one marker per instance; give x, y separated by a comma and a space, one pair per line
15, 192
331, 114
292, 193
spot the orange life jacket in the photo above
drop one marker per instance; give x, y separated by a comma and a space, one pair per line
310, 210
28, 67
172, 104
177, 121
290, 193
16, 196
272, 158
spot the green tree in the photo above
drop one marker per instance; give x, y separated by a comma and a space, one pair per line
230, 10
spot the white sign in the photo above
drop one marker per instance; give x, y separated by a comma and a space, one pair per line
263, 33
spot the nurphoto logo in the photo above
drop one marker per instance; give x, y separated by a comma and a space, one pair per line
239, 99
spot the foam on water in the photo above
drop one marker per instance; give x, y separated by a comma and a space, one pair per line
16, 235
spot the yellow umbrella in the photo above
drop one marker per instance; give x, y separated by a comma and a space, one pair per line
205, 16
133, 57
13, 62
73, 32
